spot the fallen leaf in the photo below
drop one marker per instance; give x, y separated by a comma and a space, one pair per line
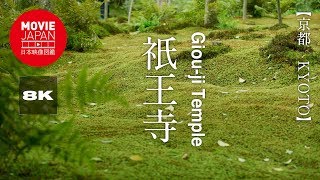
241, 160
241, 80
54, 122
154, 136
278, 169
106, 141
310, 105
136, 158
97, 159
242, 91
185, 156
170, 108
288, 151
288, 162
223, 144
266, 159
84, 115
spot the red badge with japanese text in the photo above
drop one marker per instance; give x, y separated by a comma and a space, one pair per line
38, 38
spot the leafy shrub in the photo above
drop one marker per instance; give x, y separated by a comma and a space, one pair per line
81, 41
78, 16
225, 13
80, 20
99, 31
122, 19
207, 53
7, 17
145, 25
285, 49
111, 27
258, 11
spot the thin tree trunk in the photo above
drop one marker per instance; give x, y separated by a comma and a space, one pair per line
106, 9
279, 12
210, 15
130, 10
244, 10
206, 12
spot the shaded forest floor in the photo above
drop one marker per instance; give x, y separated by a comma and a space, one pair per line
257, 118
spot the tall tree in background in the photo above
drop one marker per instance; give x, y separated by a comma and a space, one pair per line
244, 10
106, 9
279, 12
210, 14
130, 11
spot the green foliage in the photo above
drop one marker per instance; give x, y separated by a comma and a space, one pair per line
151, 16
190, 13
208, 52
20, 136
100, 31
7, 17
310, 5
81, 21
81, 41
78, 16
259, 11
260, 8
145, 25
84, 90
111, 27
285, 49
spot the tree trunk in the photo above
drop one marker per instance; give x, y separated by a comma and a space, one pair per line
106, 9
210, 14
130, 10
279, 12
206, 12
244, 10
